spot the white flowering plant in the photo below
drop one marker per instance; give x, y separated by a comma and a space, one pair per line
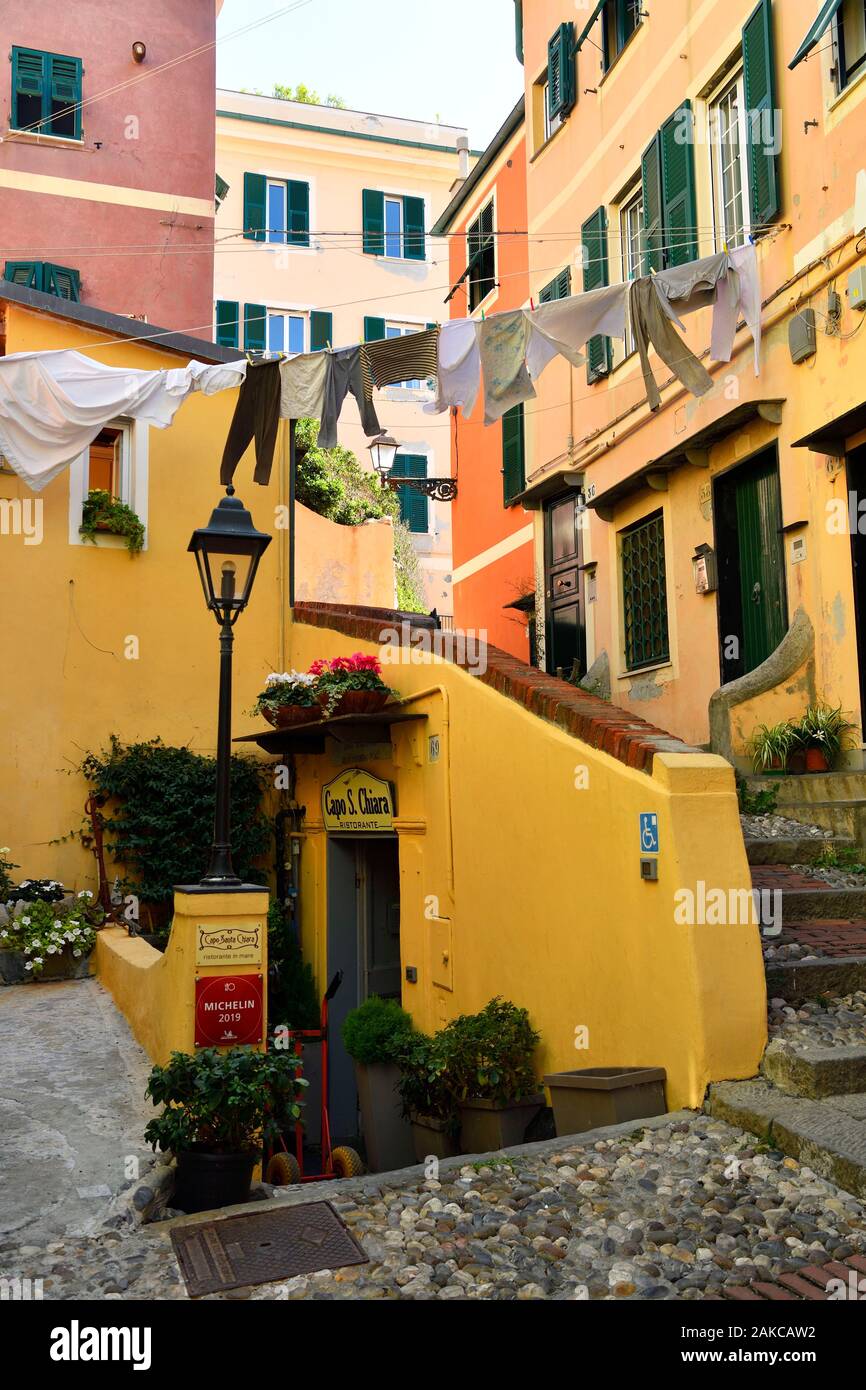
43, 931
286, 688
38, 890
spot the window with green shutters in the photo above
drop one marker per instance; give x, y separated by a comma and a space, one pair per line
558, 288
759, 86
621, 18
227, 315
513, 454
374, 329
321, 330
221, 188
670, 235
46, 93
596, 274
404, 237
276, 210
255, 327
414, 506
60, 280
481, 256
561, 72
644, 593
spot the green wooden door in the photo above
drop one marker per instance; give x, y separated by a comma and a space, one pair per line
760, 546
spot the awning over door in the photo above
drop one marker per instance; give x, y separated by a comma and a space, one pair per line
828, 12
831, 438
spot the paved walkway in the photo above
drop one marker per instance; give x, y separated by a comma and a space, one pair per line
72, 1108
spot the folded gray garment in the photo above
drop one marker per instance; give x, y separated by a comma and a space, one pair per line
692, 286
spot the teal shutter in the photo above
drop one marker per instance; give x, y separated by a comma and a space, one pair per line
678, 187
220, 190
321, 330
828, 12
558, 288
414, 506
65, 91
374, 329
298, 204
593, 237
561, 71
29, 74
414, 244
61, 280
28, 273
255, 195
513, 455
759, 84
255, 327
373, 214
653, 219
227, 322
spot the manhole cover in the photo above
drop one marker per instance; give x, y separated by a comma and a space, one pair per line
264, 1248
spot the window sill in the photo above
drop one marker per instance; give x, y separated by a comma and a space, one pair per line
840, 97
485, 305
105, 540
666, 665
32, 137
550, 139
625, 48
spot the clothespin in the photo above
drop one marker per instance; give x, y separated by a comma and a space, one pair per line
483, 315
531, 303
328, 345
725, 245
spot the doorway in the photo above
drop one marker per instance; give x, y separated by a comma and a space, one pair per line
750, 549
563, 556
363, 942
856, 474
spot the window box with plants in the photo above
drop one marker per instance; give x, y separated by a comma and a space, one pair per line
374, 1036
220, 1108
350, 685
48, 939
102, 513
491, 1074
288, 700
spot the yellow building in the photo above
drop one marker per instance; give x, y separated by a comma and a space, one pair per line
321, 239
716, 561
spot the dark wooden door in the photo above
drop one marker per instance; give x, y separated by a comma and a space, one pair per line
566, 627
753, 605
856, 472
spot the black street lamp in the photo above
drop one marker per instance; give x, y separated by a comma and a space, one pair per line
227, 552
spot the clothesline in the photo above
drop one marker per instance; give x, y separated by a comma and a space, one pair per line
53, 404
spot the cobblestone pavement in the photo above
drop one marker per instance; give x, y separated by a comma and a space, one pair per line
676, 1210
780, 828
831, 1023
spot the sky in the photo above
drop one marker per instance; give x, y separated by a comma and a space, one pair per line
387, 56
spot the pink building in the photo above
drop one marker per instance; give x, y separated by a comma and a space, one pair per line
107, 155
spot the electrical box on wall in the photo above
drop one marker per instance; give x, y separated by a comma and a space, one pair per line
802, 336
857, 288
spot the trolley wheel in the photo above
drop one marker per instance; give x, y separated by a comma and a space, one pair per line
283, 1170
347, 1163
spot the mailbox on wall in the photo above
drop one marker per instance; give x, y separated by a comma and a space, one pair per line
705, 570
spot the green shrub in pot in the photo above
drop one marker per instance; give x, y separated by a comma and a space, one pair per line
490, 1071
428, 1101
375, 1035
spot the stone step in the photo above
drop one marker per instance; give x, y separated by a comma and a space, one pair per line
817, 902
814, 786
822, 1134
796, 981
846, 819
816, 1072
793, 850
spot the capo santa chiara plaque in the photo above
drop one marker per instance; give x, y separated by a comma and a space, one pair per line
228, 945
228, 1010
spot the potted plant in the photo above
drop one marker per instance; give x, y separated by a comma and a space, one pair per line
821, 732
427, 1099
374, 1035
288, 699
350, 685
491, 1073
37, 890
6, 884
220, 1107
102, 512
770, 747
598, 1096
52, 942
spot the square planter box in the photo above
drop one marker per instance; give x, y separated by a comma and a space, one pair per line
432, 1139
486, 1127
601, 1096
387, 1134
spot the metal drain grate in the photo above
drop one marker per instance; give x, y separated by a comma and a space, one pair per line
263, 1248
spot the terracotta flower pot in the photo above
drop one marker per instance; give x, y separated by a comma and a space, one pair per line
288, 716
816, 760
355, 702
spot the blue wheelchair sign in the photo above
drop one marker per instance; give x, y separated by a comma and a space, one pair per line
649, 834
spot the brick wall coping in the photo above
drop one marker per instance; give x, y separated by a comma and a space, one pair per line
624, 736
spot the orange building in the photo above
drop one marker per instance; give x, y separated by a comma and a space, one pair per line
494, 576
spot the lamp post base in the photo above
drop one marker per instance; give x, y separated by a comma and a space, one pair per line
215, 886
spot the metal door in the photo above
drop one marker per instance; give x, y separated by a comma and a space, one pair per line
566, 642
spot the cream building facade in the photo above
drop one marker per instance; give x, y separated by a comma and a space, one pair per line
321, 240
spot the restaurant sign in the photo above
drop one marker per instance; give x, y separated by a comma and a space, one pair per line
228, 1010
357, 802
228, 945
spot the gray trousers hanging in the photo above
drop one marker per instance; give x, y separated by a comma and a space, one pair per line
651, 326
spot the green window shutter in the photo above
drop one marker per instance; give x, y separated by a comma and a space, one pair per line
61, 280
220, 190
255, 327
29, 87
759, 84
255, 196
558, 288
513, 455
653, 219
374, 329
227, 322
561, 71
593, 236
298, 204
65, 79
414, 243
828, 12
678, 187
321, 329
28, 273
414, 506
373, 215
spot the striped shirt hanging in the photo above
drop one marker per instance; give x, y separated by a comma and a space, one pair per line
413, 357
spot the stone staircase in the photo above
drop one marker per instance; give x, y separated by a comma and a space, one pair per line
836, 801
810, 1097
